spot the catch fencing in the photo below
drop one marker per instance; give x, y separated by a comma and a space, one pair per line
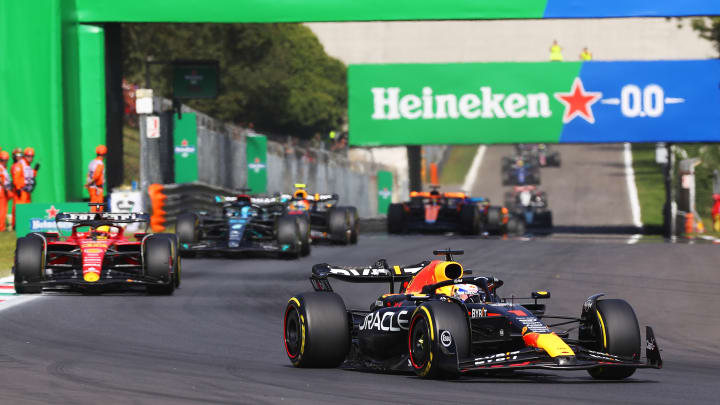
222, 163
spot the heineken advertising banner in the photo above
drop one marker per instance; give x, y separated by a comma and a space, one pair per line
374, 10
40, 217
385, 186
548, 102
256, 152
185, 147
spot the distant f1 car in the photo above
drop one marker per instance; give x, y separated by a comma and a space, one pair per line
328, 221
97, 256
443, 323
531, 205
243, 224
448, 212
518, 171
539, 153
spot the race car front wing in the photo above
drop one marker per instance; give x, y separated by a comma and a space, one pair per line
584, 359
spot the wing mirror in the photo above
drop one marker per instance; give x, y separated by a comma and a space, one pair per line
540, 295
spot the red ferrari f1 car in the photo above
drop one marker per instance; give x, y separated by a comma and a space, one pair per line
97, 256
443, 323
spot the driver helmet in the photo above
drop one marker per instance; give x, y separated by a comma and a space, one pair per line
102, 232
464, 292
245, 211
519, 163
300, 194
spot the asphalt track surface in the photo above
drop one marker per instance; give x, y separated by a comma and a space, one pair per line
588, 193
219, 338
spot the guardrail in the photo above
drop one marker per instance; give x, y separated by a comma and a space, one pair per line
169, 200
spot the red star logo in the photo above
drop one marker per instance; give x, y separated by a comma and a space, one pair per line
184, 142
257, 160
578, 102
52, 212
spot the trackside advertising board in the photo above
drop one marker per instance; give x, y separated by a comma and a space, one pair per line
548, 102
40, 217
256, 154
185, 148
385, 189
374, 10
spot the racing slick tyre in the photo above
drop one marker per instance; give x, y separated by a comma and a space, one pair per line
157, 264
177, 265
506, 163
506, 178
288, 233
316, 330
509, 199
187, 228
396, 218
304, 229
428, 339
29, 264
544, 219
469, 220
354, 223
339, 225
619, 334
516, 226
494, 218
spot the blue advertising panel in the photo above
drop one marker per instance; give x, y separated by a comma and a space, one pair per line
658, 101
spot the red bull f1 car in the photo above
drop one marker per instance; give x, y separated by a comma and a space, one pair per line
444, 322
97, 256
434, 211
328, 221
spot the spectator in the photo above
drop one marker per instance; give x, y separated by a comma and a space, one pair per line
24, 178
6, 193
716, 212
585, 54
96, 178
556, 52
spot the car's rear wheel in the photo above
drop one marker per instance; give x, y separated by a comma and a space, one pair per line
435, 324
289, 238
494, 217
176, 261
396, 218
187, 227
339, 225
29, 264
354, 224
618, 333
469, 220
158, 265
316, 330
304, 230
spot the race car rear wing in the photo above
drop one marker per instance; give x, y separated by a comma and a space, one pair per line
114, 217
377, 273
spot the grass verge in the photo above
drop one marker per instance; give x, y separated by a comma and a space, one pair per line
7, 252
457, 164
131, 154
650, 184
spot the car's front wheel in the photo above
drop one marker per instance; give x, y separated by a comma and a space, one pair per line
316, 330
618, 333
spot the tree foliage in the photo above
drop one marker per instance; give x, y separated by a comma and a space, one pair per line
276, 76
709, 28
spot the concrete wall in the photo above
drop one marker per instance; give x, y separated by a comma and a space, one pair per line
511, 40
222, 162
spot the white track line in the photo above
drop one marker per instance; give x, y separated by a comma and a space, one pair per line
632, 192
472, 173
14, 300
